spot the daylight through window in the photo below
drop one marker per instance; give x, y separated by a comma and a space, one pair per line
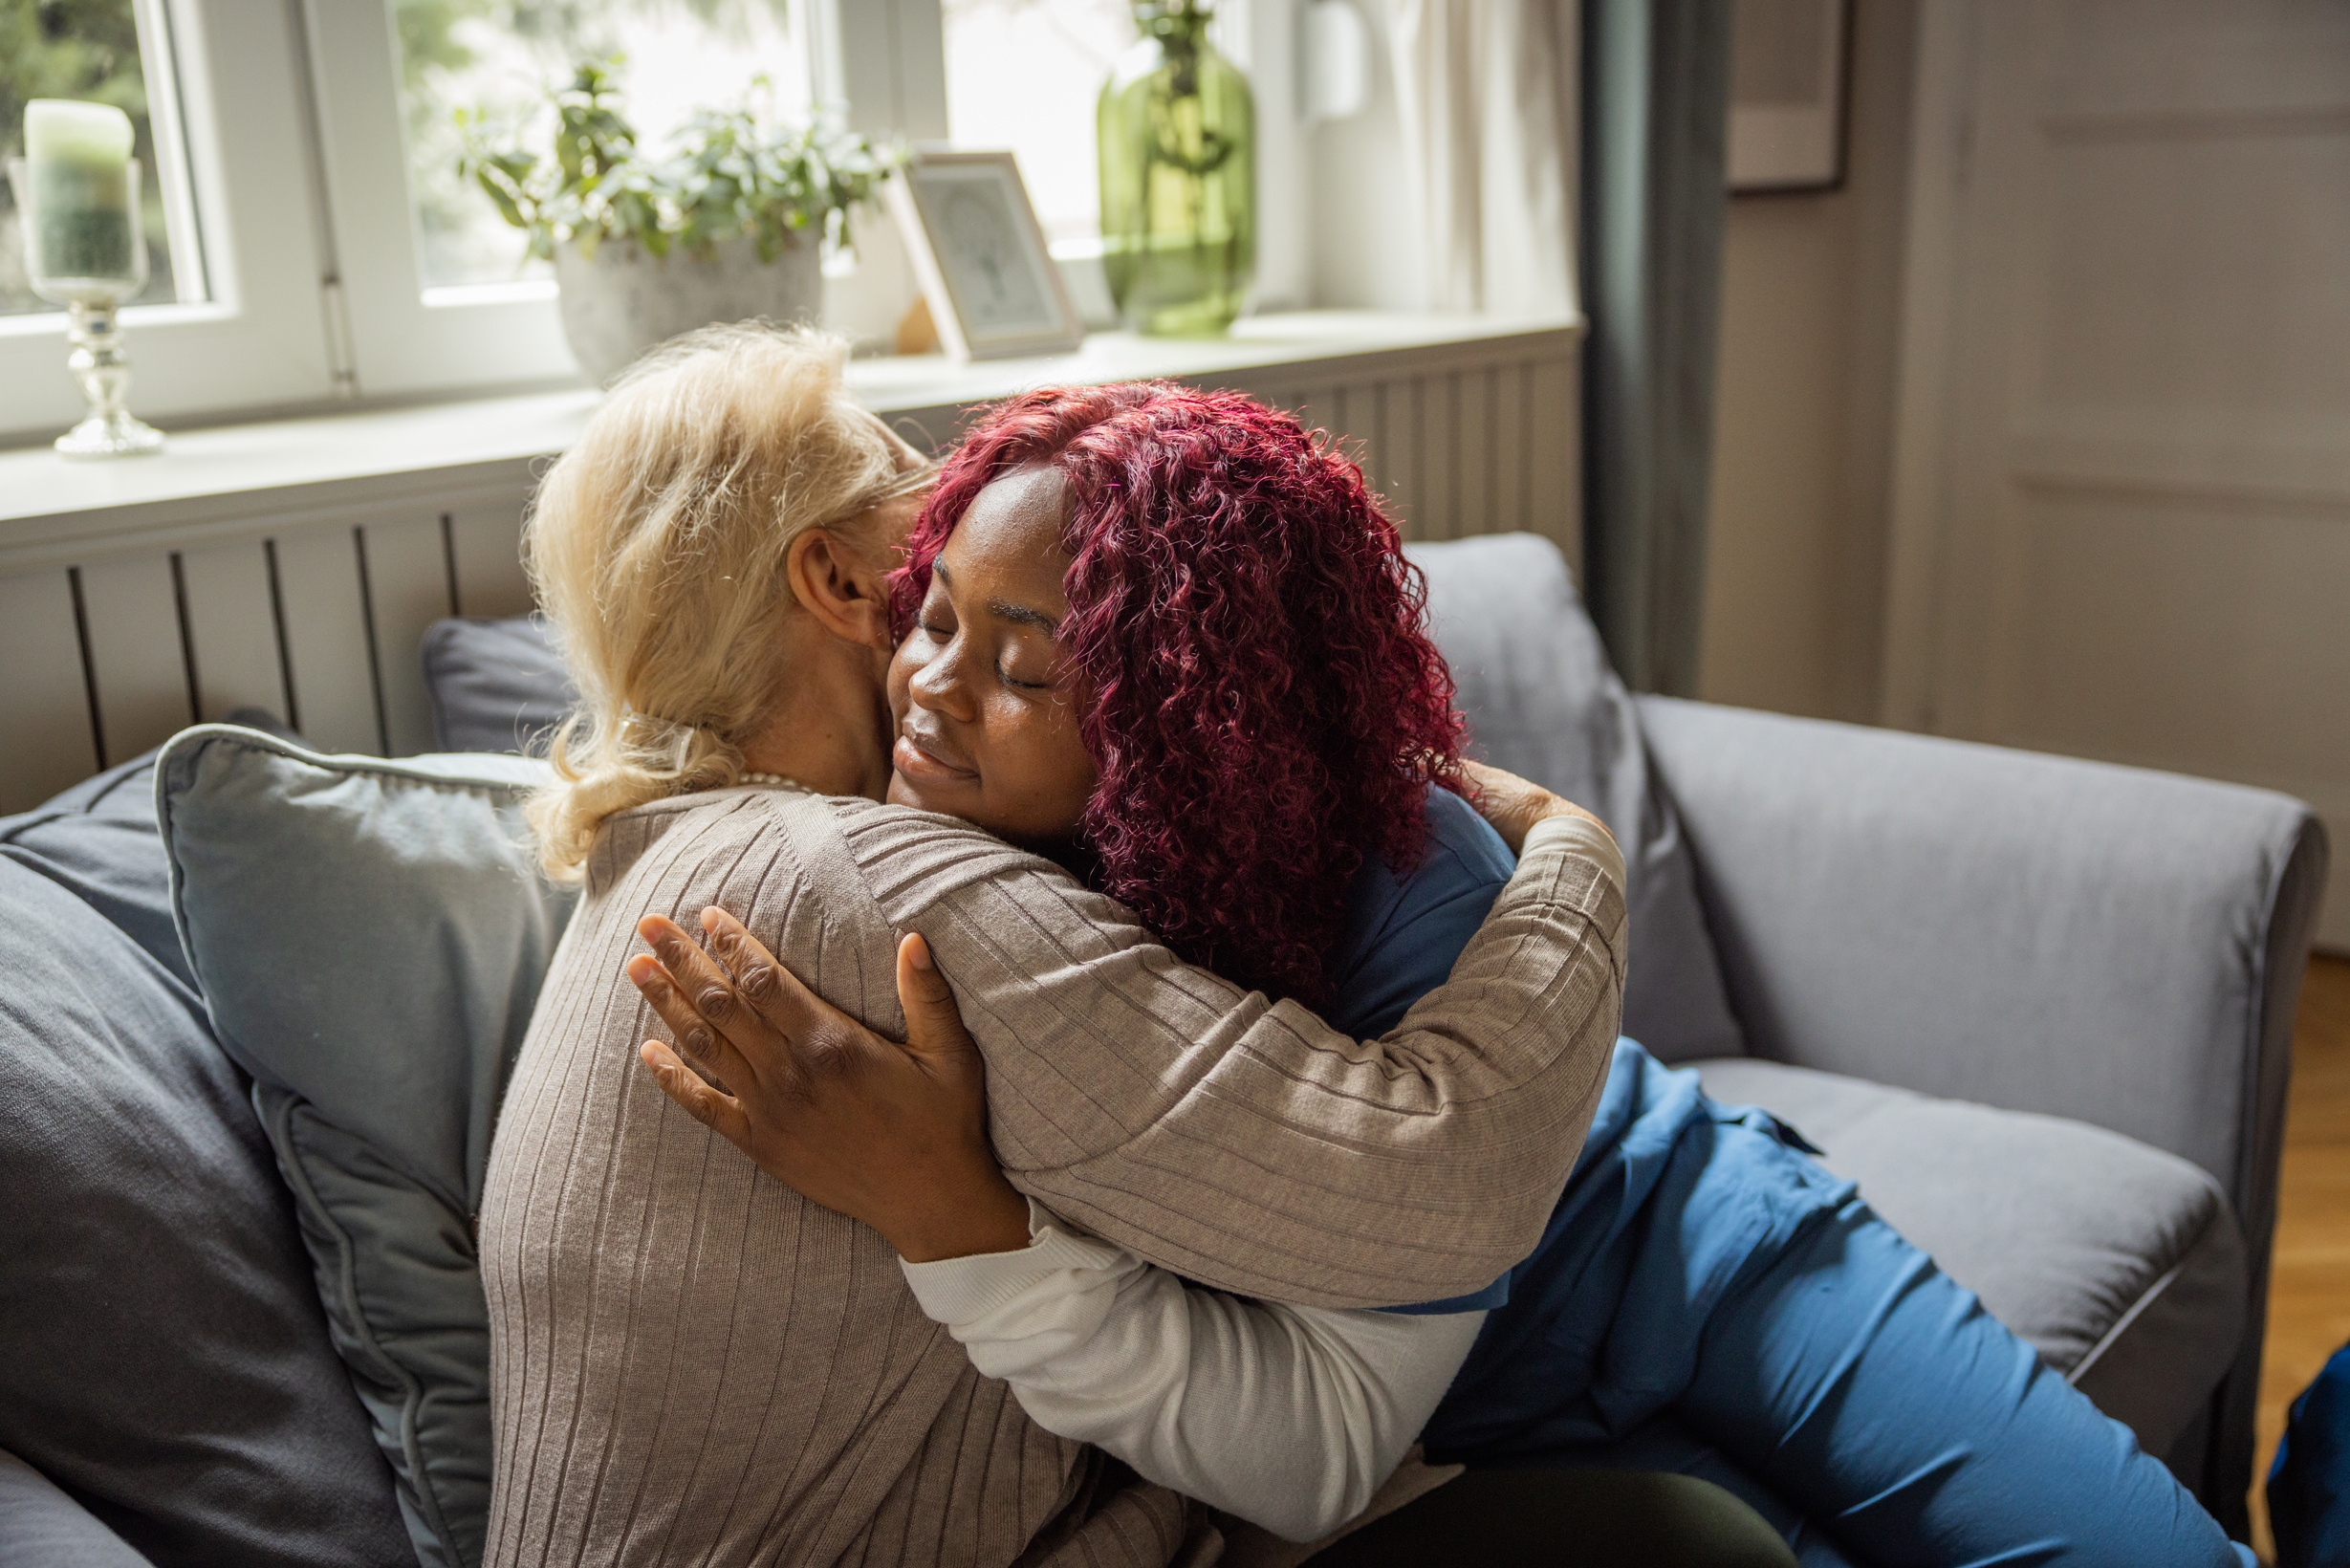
502, 59
90, 50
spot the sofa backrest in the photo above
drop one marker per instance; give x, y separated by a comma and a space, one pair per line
1543, 702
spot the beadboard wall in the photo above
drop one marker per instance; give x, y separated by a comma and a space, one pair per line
293, 566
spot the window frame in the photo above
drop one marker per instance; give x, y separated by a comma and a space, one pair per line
316, 296
260, 338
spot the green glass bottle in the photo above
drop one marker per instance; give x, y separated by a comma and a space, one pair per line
1177, 134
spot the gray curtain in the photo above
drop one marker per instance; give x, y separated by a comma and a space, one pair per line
1655, 110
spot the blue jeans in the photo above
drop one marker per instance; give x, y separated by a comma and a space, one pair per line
1708, 1299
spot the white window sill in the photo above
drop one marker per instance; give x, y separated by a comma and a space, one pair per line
218, 479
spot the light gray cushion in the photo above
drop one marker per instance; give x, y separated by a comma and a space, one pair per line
1541, 701
369, 936
41, 1527
2121, 1264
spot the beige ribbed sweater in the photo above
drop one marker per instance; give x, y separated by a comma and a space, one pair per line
693, 1364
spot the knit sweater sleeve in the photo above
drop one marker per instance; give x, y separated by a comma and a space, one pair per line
1242, 1143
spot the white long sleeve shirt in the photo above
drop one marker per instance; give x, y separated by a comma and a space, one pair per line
1289, 1417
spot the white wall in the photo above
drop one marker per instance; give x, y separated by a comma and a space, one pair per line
1794, 589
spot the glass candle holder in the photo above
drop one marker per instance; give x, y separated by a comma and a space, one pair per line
83, 251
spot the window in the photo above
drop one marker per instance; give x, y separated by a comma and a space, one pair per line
312, 239
497, 59
234, 319
1027, 74
91, 49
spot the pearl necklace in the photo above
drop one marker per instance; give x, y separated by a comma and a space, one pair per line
773, 781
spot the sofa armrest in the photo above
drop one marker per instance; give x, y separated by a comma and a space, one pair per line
2120, 946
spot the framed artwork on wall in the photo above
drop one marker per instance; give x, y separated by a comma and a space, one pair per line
1787, 95
992, 286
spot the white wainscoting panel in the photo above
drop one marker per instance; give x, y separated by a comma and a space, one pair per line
46, 741
138, 662
232, 629
325, 620
407, 590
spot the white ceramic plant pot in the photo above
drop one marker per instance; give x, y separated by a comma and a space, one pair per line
623, 300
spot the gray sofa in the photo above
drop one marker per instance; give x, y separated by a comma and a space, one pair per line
2103, 951
2037, 1009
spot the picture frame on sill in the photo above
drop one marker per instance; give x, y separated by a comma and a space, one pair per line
991, 284
1789, 65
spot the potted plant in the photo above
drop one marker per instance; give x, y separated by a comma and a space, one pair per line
729, 223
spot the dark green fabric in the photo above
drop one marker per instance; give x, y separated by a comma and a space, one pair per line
1566, 1518
1656, 107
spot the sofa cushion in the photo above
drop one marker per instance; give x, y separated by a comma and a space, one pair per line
2121, 1264
369, 936
166, 1363
1542, 701
41, 1527
497, 686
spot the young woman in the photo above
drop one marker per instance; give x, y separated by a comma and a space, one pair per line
1120, 648
693, 1362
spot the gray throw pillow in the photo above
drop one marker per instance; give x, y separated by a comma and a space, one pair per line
369, 936
497, 686
1543, 702
162, 1357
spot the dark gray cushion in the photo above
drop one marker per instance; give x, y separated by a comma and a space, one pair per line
162, 1357
2121, 1264
497, 686
41, 1527
1542, 702
369, 936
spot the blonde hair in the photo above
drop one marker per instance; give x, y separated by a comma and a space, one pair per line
657, 546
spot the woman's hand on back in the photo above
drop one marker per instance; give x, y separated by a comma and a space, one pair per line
1511, 804
892, 1135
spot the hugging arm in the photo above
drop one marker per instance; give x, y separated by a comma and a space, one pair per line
1287, 1416
1244, 1142
1240, 1142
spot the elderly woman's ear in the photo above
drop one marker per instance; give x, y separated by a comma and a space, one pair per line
843, 584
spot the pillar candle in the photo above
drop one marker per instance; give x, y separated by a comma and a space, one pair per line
84, 221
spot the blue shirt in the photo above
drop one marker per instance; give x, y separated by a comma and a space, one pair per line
1403, 935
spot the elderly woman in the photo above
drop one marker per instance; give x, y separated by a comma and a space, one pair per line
691, 1363
1146, 630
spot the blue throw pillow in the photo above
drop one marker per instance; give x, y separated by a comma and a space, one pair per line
496, 684
162, 1357
369, 936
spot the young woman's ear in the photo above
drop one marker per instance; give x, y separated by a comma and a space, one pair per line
843, 587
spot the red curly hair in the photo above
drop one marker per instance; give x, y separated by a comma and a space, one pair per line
1264, 705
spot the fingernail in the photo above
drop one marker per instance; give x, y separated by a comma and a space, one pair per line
920, 957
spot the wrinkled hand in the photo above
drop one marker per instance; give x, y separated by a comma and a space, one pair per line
893, 1135
1511, 804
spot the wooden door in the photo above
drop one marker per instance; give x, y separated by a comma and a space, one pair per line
2123, 492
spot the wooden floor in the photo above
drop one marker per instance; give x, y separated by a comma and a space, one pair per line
2309, 1287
